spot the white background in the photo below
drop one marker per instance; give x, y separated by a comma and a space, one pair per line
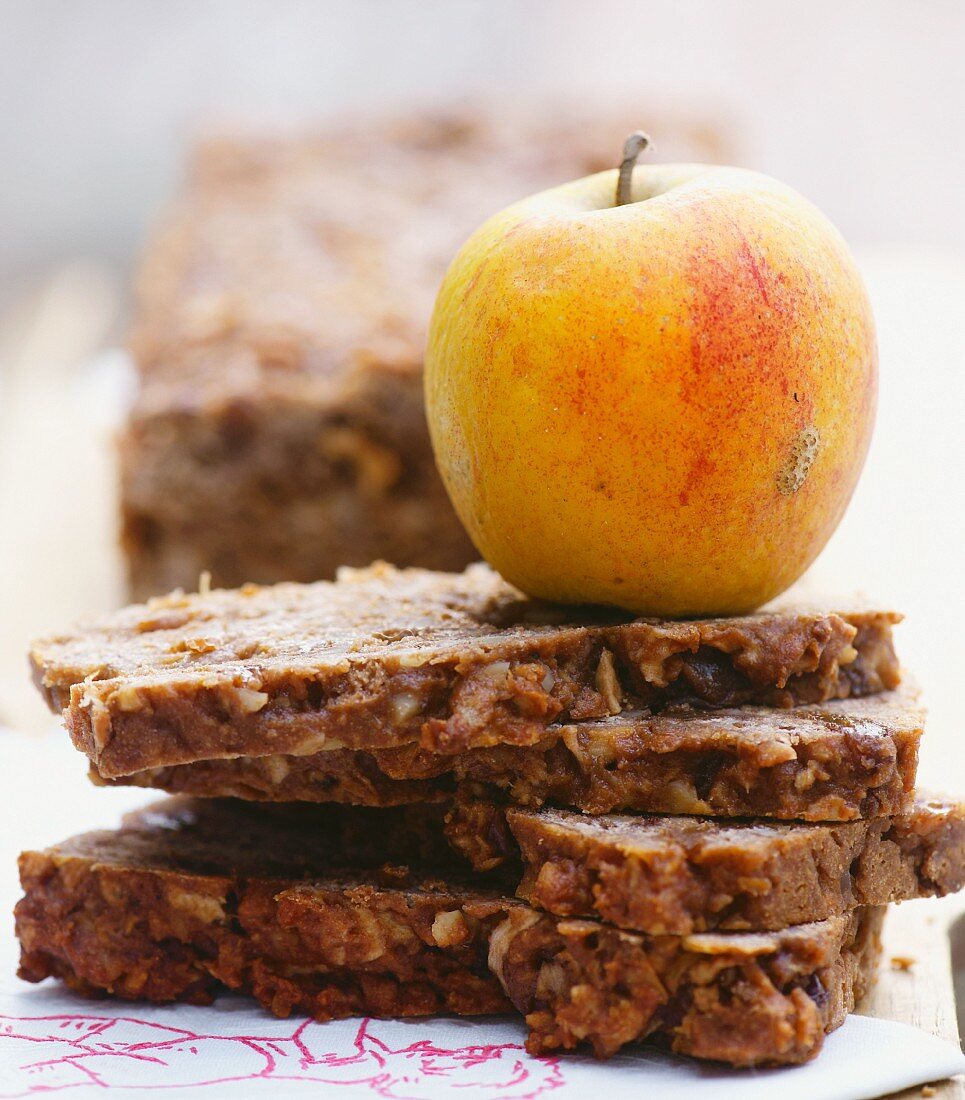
858, 103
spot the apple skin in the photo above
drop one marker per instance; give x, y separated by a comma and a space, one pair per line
663, 406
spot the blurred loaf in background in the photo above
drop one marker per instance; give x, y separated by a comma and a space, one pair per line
278, 430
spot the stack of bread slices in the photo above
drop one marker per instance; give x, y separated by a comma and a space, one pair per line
412, 793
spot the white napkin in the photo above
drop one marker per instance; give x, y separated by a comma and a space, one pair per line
52, 1040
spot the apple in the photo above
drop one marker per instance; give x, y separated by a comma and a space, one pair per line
662, 403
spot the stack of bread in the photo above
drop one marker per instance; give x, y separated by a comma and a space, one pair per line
408, 793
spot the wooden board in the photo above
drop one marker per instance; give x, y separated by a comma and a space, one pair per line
916, 985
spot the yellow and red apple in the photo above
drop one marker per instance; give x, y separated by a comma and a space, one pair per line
662, 405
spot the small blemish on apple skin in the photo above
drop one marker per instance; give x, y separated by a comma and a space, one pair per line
803, 453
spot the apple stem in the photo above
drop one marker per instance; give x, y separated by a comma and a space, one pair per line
632, 148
